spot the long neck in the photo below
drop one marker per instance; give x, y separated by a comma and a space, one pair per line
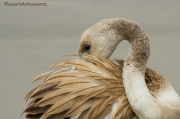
140, 99
142, 102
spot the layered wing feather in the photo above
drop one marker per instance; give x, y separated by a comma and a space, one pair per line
93, 91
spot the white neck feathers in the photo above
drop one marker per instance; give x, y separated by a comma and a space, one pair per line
140, 99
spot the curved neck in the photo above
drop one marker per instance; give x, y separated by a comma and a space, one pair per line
142, 102
140, 99
108, 34
140, 50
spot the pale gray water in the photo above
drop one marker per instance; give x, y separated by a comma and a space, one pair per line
32, 38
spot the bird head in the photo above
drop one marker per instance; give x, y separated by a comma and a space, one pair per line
99, 40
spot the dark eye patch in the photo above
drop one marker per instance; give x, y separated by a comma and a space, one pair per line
87, 47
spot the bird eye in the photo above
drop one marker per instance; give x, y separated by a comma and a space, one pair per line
87, 47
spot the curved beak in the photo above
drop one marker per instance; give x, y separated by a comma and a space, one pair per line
79, 56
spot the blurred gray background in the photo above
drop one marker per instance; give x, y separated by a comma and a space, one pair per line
32, 38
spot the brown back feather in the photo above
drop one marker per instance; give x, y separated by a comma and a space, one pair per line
93, 91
